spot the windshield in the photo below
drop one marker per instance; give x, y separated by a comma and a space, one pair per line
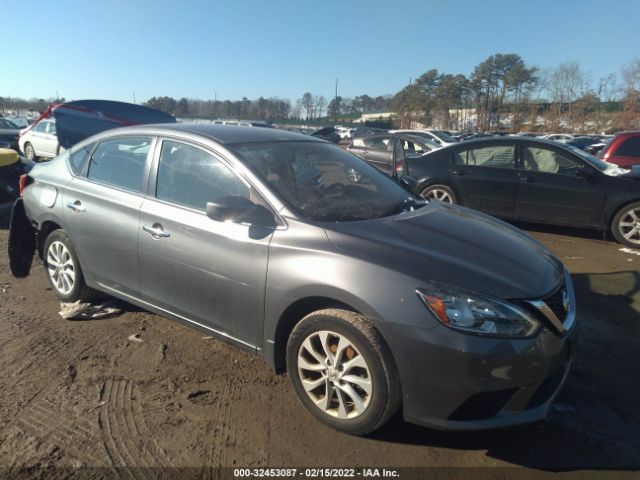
322, 182
595, 161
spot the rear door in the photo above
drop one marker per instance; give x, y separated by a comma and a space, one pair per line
102, 207
38, 137
375, 149
554, 188
487, 178
207, 272
50, 140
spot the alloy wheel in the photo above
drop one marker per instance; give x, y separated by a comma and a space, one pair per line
353, 175
60, 267
438, 194
629, 225
334, 374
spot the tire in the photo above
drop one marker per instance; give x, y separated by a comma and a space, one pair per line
358, 389
442, 193
625, 226
63, 269
30, 153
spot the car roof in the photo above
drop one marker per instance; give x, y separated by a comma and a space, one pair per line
496, 139
223, 134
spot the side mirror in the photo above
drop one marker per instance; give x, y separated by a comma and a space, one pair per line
584, 172
239, 209
228, 208
8, 157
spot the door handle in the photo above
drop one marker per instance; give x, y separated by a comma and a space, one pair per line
76, 206
528, 179
156, 231
460, 172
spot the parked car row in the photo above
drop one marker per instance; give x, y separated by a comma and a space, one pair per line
518, 178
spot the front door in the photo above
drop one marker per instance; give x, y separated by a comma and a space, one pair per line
207, 272
557, 187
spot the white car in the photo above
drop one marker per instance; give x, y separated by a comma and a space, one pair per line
343, 132
39, 141
560, 137
438, 137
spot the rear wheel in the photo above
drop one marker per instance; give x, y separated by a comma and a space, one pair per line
342, 371
626, 225
441, 193
63, 269
29, 152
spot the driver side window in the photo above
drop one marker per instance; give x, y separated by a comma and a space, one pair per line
191, 177
545, 160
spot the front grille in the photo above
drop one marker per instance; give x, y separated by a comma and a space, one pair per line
483, 405
555, 302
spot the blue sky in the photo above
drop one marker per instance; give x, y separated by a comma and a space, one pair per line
109, 49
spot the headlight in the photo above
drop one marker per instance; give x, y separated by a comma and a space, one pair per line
477, 313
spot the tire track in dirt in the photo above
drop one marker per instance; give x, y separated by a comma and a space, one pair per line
62, 429
126, 438
224, 426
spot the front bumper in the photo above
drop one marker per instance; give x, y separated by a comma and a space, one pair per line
456, 381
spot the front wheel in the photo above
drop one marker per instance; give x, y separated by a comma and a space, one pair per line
441, 193
342, 371
63, 269
625, 226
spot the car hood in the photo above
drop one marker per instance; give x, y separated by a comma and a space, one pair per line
456, 246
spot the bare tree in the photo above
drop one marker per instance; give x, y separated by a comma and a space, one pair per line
631, 94
319, 105
308, 104
565, 84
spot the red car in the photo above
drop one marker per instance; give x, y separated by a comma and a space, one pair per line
623, 149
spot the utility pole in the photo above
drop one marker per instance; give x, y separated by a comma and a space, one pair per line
335, 104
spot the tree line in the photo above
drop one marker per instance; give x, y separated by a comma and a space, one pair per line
501, 92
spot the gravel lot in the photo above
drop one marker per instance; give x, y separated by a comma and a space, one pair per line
80, 393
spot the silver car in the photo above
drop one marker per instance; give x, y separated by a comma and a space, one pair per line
372, 299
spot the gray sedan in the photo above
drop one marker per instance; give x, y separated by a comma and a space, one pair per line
372, 299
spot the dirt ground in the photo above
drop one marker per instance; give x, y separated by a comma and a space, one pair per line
81, 394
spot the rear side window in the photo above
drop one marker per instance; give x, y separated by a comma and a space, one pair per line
120, 162
496, 156
78, 157
191, 177
41, 127
629, 148
377, 143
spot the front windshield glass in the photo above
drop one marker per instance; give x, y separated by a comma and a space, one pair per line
322, 182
